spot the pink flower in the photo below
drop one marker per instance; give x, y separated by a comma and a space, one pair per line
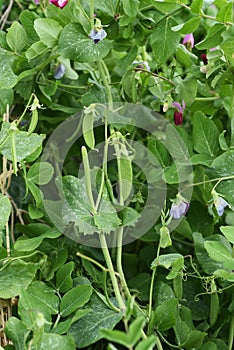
178, 114
59, 3
188, 41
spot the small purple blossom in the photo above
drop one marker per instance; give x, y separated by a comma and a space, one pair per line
179, 207
60, 71
97, 35
188, 41
220, 205
37, 2
178, 114
142, 65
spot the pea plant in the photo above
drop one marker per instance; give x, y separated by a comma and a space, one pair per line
116, 174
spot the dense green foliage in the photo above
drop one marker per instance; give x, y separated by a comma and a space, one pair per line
136, 251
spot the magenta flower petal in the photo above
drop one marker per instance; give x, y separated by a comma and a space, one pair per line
188, 40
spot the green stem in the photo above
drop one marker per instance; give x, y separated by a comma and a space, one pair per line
105, 82
213, 98
231, 333
13, 150
152, 285
111, 271
91, 13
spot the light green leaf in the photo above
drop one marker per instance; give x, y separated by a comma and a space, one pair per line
130, 7
228, 232
184, 56
218, 252
6, 98
48, 31
196, 6
188, 27
7, 76
147, 344
25, 145
166, 260
15, 277
225, 14
5, 210
29, 244
187, 88
86, 331
40, 173
36, 49
224, 164
75, 44
16, 332
37, 298
205, 135
164, 40
213, 37
16, 37
55, 341
74, 299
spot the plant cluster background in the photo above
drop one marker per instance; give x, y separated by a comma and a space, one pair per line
86, 262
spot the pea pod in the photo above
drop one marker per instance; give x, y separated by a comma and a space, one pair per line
214, 308
125, 168
178, 286
88, 130
34, 121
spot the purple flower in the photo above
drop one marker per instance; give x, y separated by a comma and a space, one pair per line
59, 3
178, 114
179, 208
60, 71
204, 58
188, 41
37, 2
220, 205
97, 35
142, 65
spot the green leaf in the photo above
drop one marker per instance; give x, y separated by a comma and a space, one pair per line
6, 98
16, 37
63, 277
16, 332
74, 299
5, 211
188, 27
55, 341
228, 232
213, 37
166, 260
25, 145
48, 31
27, 19
218, 252
184, 56
165, 39
128, 339
7, 76
40, 173
86, 331
77, 208
187, 88
75, 44
205, 135
29, 244
147, 344
165, 315
196, 6
37, 298
130, 7
224, 164
225, 14
36, 49
15, 277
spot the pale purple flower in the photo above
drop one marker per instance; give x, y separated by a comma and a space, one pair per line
97, 35
188, 41
220, 205
60, 71
37, 2
179, 207
142, 64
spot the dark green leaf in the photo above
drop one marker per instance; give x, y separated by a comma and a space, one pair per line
16, 332
74, 299
165, 315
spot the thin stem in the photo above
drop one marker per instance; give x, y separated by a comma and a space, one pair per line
25, 110
8, 241
231, 333
155, 75
106, 85
219, 179
213, 98
91, 13
92, 261
152, 285
111, 271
